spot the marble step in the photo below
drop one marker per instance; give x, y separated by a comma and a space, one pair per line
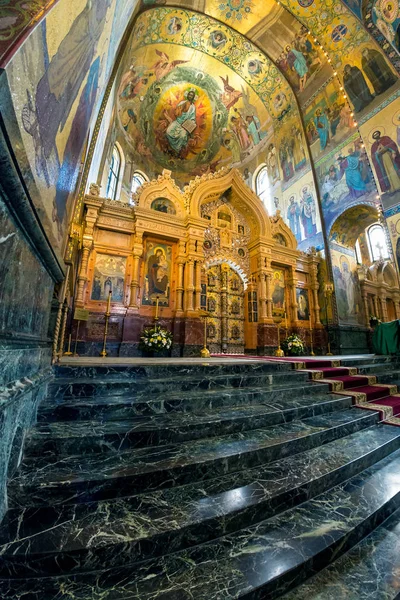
84, 537
378, 369
391, 377
62, 438
162, 370
368, 360
199, 402
264, 560
39, 481
118, 408
369, 571
67, 388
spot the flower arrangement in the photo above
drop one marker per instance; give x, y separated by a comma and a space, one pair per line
156, 339
293, 345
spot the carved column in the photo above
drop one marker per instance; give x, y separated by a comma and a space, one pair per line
315, 287
63, 327
262, 287
197, 303
396, 308
268, 291
189, 285
180, 288
376, 309
292, 313
137, 253
82, 278
384, 309
61, 297
364, 296
224, 308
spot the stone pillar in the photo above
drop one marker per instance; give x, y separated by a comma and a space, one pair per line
82, 278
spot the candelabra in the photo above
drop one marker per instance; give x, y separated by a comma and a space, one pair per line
107, 316
312, 353
328, 291
279, 351
204, 352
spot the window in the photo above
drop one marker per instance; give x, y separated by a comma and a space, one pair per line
358, 252
113, 176
137, 180
263, 188
377, 242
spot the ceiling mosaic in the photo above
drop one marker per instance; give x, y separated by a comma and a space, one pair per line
194, 95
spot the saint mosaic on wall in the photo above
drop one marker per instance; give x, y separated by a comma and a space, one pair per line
57, 80
157, 262
109, 276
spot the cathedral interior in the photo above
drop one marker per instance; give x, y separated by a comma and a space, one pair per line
199, 299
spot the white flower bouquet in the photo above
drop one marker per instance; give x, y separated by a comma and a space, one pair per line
156, 339
293, 345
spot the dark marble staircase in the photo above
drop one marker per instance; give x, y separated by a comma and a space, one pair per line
204, 481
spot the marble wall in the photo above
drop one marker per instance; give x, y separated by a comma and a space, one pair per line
25, 350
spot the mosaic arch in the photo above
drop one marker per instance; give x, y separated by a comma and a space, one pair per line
193, 96
382, 19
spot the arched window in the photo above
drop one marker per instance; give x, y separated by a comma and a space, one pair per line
377, 242
263, 188
113, 175
358, 252
137, 180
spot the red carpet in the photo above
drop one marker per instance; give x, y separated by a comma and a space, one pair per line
364, 389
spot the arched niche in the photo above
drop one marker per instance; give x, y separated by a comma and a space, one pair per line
162, 188
240, 196
280, 231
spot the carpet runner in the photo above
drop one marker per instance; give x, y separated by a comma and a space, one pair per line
364, 389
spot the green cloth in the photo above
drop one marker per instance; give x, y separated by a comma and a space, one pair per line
386, 338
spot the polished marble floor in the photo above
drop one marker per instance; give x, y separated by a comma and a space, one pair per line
97, 360
228, 478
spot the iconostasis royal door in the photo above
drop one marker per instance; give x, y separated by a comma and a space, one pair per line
225, 303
